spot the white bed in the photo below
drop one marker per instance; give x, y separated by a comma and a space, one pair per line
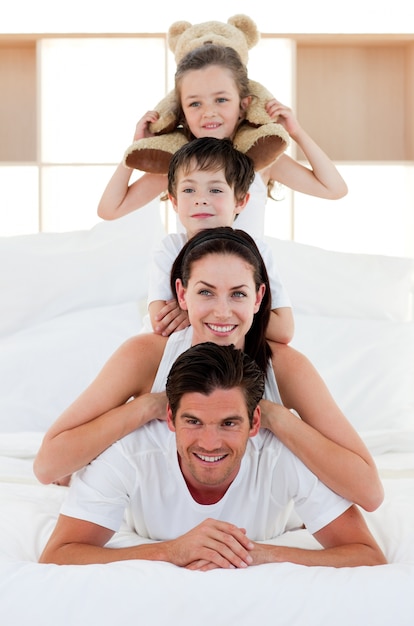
68, 300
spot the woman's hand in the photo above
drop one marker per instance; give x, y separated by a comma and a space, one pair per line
151, 406
269, 414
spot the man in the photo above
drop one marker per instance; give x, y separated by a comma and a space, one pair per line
209, 488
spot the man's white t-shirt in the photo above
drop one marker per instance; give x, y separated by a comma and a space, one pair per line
140, 475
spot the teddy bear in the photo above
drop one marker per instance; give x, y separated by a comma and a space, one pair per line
258, 136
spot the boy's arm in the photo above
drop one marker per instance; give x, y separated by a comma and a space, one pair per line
164, 312
167, 317
281, 325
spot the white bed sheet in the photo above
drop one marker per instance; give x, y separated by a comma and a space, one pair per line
160, 593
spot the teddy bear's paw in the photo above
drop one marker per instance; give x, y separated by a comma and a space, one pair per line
263, 144
153, 154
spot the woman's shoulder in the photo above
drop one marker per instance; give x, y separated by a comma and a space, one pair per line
145, 348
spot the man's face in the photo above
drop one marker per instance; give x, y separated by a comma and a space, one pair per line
212, 433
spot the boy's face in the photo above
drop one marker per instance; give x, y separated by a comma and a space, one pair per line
205, 200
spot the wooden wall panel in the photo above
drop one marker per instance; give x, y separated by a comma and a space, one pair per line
18, 102
352, 100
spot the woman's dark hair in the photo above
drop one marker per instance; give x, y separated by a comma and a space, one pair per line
225, 240
204, 56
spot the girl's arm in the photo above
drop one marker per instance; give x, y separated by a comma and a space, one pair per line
322, 179
120, 198
323, 438
102, 414
281, 325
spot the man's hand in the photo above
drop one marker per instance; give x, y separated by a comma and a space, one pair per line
210, 545
170, 319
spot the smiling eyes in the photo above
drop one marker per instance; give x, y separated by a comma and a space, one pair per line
193, 421
196, 103
238, 295
190, 190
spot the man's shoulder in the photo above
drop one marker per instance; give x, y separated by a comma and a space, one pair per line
151, 437
265, 440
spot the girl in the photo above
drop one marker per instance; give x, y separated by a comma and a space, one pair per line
211, 86
221, 281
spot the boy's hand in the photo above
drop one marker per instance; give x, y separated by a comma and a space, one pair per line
170, 318
141, 129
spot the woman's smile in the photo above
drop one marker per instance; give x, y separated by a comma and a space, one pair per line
220, 308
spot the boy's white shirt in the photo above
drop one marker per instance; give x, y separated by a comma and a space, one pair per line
165, 255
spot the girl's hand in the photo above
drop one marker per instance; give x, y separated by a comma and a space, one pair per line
142, 127
283, 115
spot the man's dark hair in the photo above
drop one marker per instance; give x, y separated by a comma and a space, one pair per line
207, 366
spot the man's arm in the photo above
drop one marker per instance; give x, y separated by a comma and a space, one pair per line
78, 542
347, 542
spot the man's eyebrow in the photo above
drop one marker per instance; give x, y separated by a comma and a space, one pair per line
233, 418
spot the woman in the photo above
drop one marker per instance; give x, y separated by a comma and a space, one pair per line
221, 281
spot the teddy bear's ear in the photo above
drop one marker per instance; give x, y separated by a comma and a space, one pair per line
174, 33
247, 27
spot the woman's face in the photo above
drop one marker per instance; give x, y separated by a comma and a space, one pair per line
211, 102
221, 299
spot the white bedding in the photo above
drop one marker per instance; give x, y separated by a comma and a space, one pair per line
86, 296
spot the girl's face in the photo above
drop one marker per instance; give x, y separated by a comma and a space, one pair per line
221, 299
211, 102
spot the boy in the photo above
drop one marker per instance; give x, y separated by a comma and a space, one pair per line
208, 186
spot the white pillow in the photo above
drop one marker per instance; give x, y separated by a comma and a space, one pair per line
48, 274
368, 366
323, 282
44, 368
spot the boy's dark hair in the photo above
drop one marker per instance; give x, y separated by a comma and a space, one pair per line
225, 240
212, 154
206, 367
